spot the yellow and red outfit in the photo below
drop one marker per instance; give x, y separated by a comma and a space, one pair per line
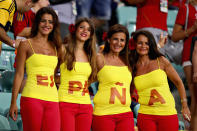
75, 105
112, 101
39, 90
155, 98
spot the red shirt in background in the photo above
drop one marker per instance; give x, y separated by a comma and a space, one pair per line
149, 15
180, 19
21, 21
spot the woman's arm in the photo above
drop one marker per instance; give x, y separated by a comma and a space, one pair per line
180, 34
19, 74
174, 77
61, 54
100, 61
194, 62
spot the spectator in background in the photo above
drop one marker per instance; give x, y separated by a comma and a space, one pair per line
22, 22
179, 33
151, 16
7, 10
99, 11
67, 12
39, 99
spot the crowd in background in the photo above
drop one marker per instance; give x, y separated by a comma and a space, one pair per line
83, 26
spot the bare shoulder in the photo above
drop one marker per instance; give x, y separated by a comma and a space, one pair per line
99, 57
24, 45
164, 61
100, 60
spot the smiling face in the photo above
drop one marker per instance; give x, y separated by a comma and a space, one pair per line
83, 31
117, 42
142, 46
46, 24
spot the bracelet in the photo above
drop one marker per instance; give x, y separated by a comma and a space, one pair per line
183, 100
14, 44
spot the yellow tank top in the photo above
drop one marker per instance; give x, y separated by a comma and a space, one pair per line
155, 97
73, 84
40, 77
113, 96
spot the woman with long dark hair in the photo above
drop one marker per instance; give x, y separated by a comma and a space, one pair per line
112, 101
150, 69
78, 70
38, 54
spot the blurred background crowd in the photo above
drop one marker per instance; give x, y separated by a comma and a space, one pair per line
170, 18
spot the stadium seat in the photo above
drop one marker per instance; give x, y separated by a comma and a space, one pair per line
7, 78
5, 61
4, 124
12, 60
171, 20
7, 47
94, 87
5, 100
181, 126
10, 34
126, 14
6, 56
127, 17
13, 124
135, 121
131, 28
135, 110
20, 124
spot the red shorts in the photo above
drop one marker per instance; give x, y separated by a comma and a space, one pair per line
157, 123
116, 122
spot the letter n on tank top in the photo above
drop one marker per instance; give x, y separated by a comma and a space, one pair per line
114, 92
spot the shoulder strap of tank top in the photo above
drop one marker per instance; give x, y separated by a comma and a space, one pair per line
158, 63
31, 45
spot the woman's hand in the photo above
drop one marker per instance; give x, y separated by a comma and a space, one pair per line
162, 40
13, 112
186, 113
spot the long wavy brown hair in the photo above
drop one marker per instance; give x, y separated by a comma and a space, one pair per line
54, 36
153, 50
117, 29
89, 48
